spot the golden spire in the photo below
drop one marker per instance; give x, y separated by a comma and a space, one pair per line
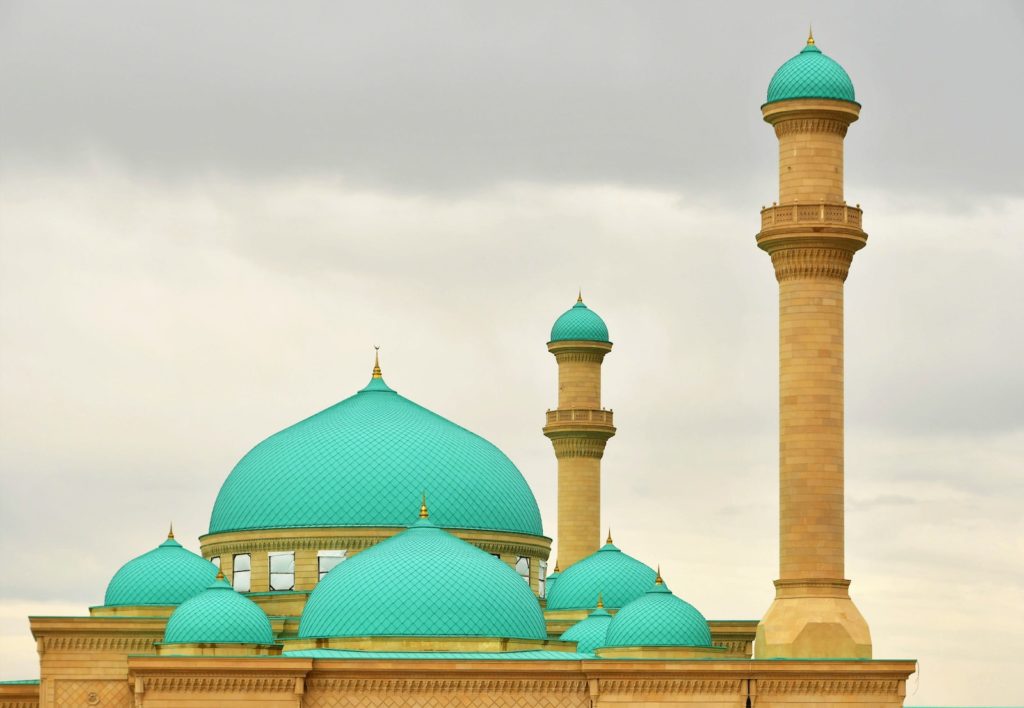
609, 539
600, 602
170, 534
376, 362
810, 35
557, 569
220, 574
424, 514
579, 298
658, 580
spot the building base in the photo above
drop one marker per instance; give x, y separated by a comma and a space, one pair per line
812, 619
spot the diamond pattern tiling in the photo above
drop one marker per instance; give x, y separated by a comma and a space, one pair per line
619, 579
658, 619
423, 582
579, 323
167, 575
810, 74
218, 615
589, 633
365, 462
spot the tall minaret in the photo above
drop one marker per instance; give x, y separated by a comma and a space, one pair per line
811, 235
579, 429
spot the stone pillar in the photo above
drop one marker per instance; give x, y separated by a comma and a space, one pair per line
811, 236
579, 429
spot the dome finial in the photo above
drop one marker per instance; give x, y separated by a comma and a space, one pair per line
424, 513
600, 601
579, 297
810, 34
376, 362
657, 579
609, 539
220, 573
557, 569
170, 533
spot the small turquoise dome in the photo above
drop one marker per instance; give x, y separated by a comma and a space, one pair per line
658, 619
619, 579
218, 615
423, 582
811, 74
589, 633
167, 575
364, 461
579, 323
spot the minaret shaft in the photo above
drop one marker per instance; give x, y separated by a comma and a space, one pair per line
811, 236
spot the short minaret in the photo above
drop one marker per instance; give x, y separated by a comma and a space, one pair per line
811, 235
579, 429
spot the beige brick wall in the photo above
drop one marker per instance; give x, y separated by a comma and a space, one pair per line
579, 508
810, 167
579, 383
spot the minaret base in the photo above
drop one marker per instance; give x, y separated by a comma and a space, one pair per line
812, 619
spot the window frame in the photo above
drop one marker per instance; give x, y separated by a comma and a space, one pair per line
246, 572
271, 555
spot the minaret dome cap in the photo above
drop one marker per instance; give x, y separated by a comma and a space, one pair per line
811, 74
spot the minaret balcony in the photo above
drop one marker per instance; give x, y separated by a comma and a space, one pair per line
798, 214
567, 421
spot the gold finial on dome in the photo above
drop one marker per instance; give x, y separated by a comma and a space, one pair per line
376, 362
600, 602
424, 513
170, 533
657, 579
609, 539
579, 297
810, 35
220, 573
557, 569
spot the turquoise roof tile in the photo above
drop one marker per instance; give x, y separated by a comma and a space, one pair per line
579, 323
589, 633
811, 74
364, 462
658, 619
535, 655
617, 577
167, 575
423, 582
218, 615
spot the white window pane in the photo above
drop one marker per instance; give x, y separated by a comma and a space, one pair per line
242, 562
542, 578
241, 579
328, 560
282, 562
216, 561
523, 567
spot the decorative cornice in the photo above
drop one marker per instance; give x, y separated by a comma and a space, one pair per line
811, 263
578, 355
811, 125
805, 687
445, 685
129, 644
245, 683
671, 686
592, 447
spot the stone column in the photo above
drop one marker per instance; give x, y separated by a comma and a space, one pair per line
579, 429
811, 236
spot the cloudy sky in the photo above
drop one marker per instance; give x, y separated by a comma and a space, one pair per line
210, 212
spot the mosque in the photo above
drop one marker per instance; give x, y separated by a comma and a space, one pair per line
377, 554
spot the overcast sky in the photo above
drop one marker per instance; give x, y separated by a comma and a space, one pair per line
210, 212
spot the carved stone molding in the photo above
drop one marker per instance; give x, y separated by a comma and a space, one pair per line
445, 685
579, 447
354, 543
805, 687
672, 686
93, 643
246, 683
737, 646
811, 125
93, 693
595, 356
810, 262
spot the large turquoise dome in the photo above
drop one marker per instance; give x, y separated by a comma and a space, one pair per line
364, 462
617, 577
811, 74
579, 323
218, 615
423, 582
167, 575
658, 619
